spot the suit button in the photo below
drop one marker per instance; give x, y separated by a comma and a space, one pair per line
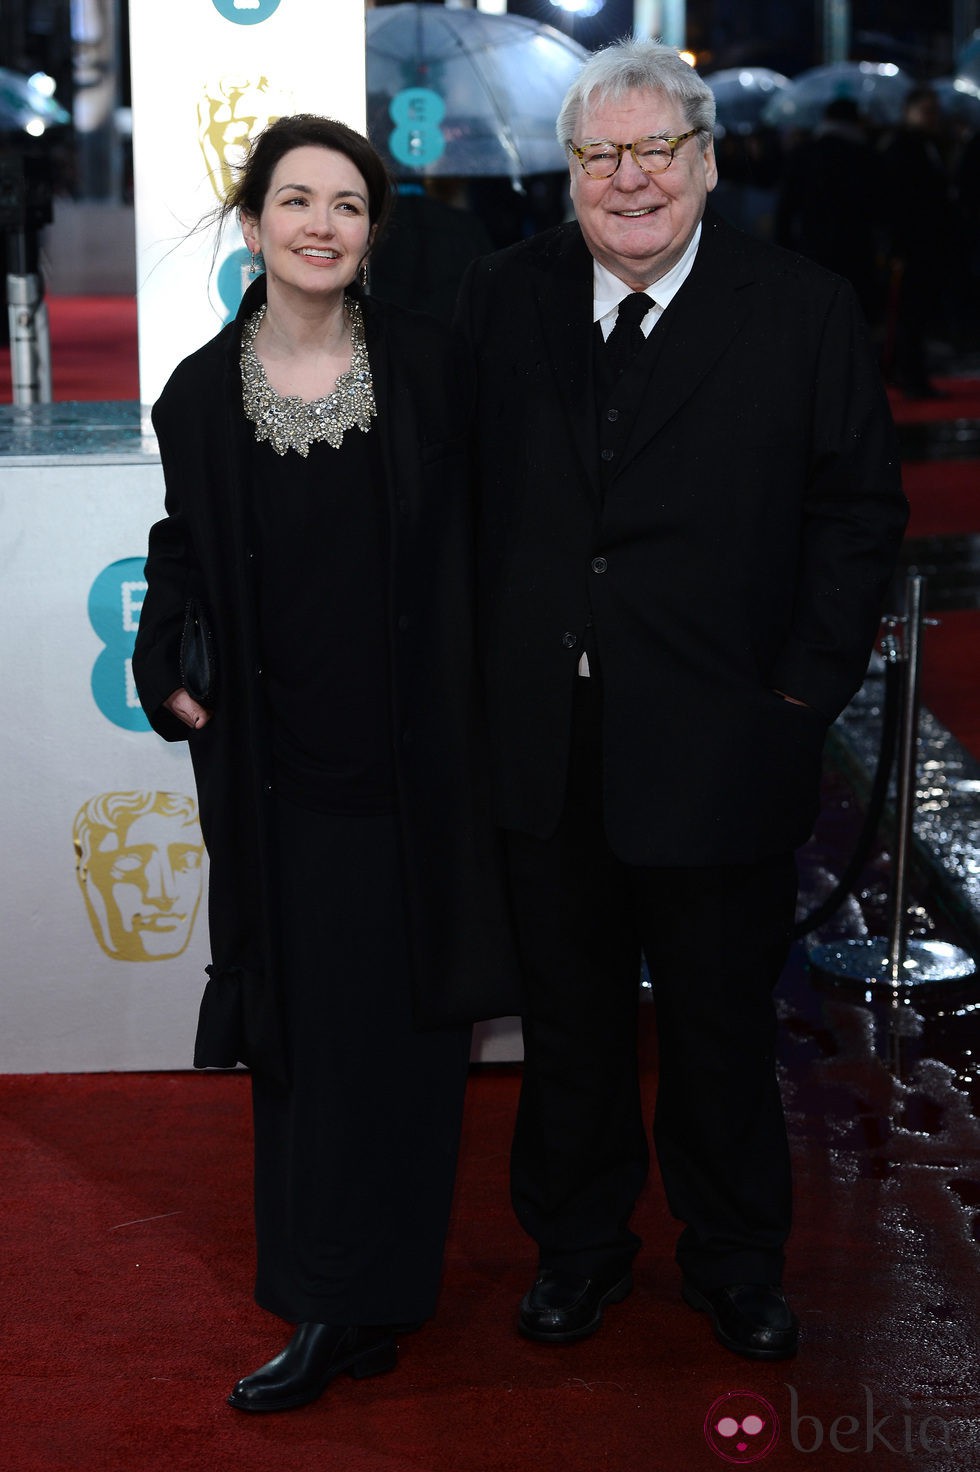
402, 506
599, 564
612, 415
569, 641
407, 738
403, 621
607, 454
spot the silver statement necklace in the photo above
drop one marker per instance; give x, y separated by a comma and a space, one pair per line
291, 424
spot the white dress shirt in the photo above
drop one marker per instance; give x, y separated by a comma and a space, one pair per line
609, 291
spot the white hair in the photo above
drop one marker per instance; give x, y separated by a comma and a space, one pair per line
638, 66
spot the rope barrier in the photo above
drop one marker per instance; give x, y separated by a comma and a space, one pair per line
898, 961
891, 710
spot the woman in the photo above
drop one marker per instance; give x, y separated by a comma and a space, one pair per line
316, 512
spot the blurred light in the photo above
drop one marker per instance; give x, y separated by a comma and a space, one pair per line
579, 7
689, 57
42, 83
35, 128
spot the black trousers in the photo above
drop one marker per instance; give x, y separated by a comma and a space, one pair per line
716, 940
354, 1165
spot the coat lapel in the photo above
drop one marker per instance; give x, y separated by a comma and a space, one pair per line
693, 333
563, 296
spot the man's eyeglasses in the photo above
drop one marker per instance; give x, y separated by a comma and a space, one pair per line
602, 158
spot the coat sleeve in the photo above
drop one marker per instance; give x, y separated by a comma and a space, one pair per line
172, 574
854, 516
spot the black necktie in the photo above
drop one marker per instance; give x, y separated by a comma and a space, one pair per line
626, 339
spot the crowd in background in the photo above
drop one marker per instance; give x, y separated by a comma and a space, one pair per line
895, 210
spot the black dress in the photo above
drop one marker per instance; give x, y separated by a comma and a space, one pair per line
355, 1162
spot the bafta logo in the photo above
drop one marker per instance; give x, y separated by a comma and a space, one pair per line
139, 858
229, 115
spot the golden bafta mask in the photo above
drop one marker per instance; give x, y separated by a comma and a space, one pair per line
139, 858
229, 115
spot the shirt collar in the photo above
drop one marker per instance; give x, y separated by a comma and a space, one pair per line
609, 291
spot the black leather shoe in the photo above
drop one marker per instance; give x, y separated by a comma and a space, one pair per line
753, 1319
562, 1306
312, 1358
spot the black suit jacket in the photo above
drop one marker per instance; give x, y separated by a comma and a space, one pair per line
746, 538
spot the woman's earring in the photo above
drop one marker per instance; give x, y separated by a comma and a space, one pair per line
362, 274
253, 269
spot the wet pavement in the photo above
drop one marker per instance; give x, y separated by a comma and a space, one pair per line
882, 1091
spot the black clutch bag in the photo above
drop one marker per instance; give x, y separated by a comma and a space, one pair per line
198, 668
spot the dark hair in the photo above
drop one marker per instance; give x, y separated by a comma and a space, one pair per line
303, 130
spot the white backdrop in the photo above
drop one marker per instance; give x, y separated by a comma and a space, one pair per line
103, 953
206, 76
77, 995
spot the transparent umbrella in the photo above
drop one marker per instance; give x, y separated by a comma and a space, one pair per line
878, 88
959, 99
968, 59
741, 94
24, 108
466, 93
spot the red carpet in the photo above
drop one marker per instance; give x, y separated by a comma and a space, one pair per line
961, 400
93, 350
126, 1241
951, 674
944, 496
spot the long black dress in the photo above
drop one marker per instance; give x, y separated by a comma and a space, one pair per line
355, 1162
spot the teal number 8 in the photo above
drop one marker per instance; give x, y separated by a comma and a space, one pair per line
417, 138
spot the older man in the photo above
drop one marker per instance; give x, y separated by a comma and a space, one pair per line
690, 510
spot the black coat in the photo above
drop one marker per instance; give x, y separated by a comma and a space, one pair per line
462, 961
743, 543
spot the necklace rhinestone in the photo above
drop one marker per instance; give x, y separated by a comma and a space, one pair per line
288, 422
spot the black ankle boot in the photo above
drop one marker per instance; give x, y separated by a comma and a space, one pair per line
312, 1358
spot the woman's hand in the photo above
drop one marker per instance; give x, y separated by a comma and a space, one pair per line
186, 709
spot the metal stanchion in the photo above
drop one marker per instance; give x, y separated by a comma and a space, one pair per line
30, 342
897, 961
25, 207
